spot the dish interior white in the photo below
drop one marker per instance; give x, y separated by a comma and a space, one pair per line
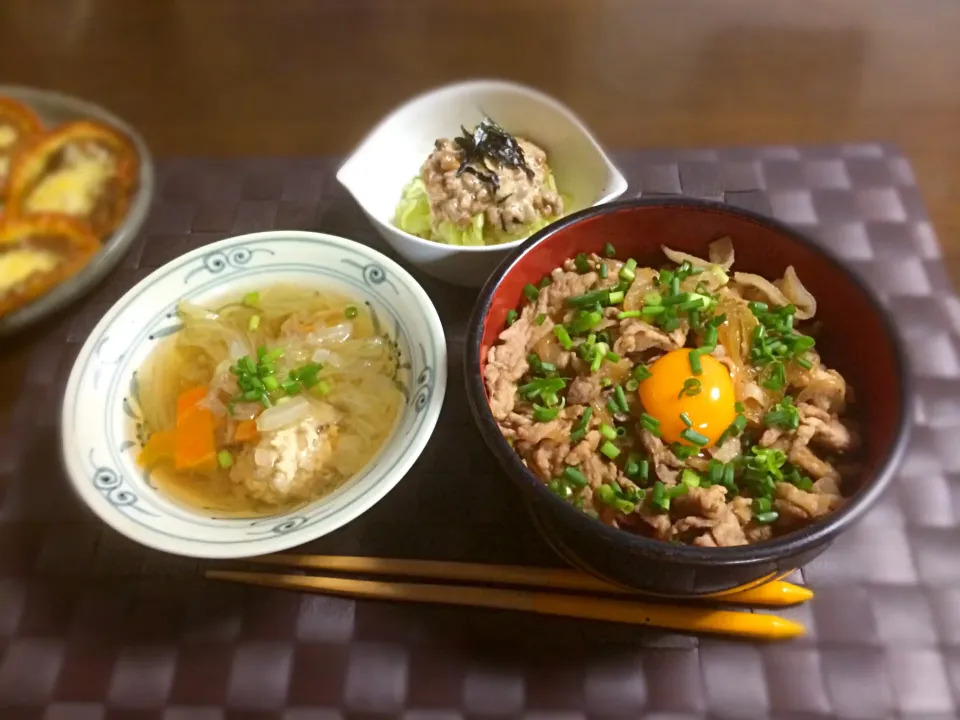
101, 408
392, 154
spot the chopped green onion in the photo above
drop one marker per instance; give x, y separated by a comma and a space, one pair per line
683, 452
627, 271
652, 310
608, 431
804, 363
628, 314
767, 517
585, 321
650, 423
252, 395
542, 414
351, 312
574, 476
739, 407
613, 406
560, 489
615, 298
691, 387
606, 382
512, 317
252, 299
643, 472
653, 298
689, 478
610, 450
547, 367
777, 377
677, 490
631, 385
612, 357
580, 428
321, 388
609, 250
224, 459
695, 365
291, 387
641, 373
580, 262
692, 436
539, 320
588, 299
563, 336
621, 431
531, 292
660, 499
621, 399
605, 494
761, 505
685, 419
253, 323
270, 383
604, 271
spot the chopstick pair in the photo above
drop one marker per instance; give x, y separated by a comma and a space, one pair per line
631, 611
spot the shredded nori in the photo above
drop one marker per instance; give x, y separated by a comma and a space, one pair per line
489, 140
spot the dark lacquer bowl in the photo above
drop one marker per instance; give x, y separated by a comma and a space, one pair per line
857, 339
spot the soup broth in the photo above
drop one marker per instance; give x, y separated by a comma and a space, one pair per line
268, 401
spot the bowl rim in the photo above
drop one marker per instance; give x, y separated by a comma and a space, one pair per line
112, 249
619, 184
381, 485
793, 543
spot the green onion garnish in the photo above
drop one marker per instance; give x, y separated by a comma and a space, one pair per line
351, 312
563, 336
608, 431
574, 476
588, 299
653, 298
512, 317
621, 399
611, 356
685, 419
660, 499
252, 299
539, 320
692, 436
695, 365
531, 292
604, 271
609, 250
224, 459
650, 423
631, 385
615, 298
610, 450
580, 428
253, 323
628, 314
641, 373
690, 478
691, 387
767, 517
543, 414
580, 262
627, 271
560, 488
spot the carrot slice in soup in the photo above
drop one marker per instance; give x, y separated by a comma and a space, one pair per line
161, 446
246, 431
195, 446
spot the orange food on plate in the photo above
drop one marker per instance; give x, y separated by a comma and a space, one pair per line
19, 125
82, 169
39, 252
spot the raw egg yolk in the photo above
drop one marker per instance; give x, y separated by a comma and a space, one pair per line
674, 395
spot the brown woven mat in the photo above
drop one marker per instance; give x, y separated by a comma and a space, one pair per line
92, 626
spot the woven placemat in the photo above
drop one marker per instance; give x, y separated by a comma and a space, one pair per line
93, 626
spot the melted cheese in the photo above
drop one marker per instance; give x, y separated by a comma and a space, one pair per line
17, 266
8, 136
75, 187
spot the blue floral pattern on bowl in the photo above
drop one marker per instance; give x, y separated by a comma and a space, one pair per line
101, 413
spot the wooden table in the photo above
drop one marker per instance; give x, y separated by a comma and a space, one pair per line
310, 76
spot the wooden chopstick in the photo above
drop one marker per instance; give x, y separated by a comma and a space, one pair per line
684, 619
774, 593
